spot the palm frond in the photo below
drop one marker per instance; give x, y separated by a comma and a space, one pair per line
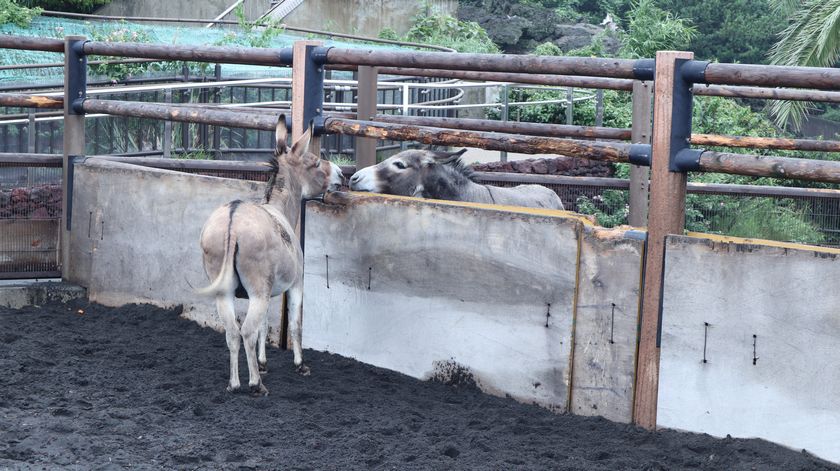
812, 39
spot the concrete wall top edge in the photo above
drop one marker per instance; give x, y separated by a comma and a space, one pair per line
748, 245
354, 198
105, 164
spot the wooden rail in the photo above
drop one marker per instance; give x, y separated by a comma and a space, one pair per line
612, 152
768, 166
531, 129
528, 64
30, 101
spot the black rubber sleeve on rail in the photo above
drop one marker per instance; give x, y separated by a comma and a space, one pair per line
644, 69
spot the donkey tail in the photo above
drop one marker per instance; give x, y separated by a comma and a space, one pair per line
226, 280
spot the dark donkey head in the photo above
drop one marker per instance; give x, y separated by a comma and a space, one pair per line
421, 173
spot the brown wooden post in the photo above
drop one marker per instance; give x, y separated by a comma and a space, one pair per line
299, 59
366, 147
74, 144
640, 134
667, 216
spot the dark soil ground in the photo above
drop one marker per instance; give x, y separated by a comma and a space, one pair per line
139, 387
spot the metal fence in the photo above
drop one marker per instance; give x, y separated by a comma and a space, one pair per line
30, 215
785, 214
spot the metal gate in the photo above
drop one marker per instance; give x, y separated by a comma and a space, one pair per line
30, 216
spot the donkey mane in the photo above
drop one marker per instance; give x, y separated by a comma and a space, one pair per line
274, 164
463, 169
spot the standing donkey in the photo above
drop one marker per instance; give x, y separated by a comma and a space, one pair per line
251, 251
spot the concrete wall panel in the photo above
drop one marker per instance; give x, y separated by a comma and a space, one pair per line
606, 323
787, 392
135, 236
451, 287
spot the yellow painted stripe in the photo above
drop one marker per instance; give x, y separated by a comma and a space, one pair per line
763, 242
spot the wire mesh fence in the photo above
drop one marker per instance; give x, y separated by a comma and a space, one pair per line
30, 215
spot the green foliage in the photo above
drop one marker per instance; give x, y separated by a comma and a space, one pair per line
730, 30
251, 34
122, 32
443, 30
75, 6
652, 29
194, 155
811, 39
12, 12
610, 207
389, 34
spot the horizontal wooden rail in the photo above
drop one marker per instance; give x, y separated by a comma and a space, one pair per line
821, 78
202, 53
30, 101
769, 166
527, 64
531, 129
31, 43
188, 114
531, 79
31, 160
793, 94
612, 152
765, 142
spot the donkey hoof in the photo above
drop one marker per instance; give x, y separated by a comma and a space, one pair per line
258, 390
263, 368
232, 389
303, 370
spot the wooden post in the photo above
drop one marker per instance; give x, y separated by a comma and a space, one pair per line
74, 144
32, 135
299, 60
167, 128
640, 134
570, 105
365, 146
667, 216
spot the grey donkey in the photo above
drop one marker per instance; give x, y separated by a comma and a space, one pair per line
442, 175
251, 251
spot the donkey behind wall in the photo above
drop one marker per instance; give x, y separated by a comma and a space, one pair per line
442, 175
251, 250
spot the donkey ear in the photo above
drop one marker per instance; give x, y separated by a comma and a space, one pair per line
280, 136
448, 157
301, 147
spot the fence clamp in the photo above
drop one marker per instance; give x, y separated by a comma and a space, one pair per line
313, 90
76, 77
682, 157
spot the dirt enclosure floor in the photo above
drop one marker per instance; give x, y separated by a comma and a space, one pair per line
139, 387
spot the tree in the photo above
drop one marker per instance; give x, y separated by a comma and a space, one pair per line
739, 31
652, 29
812, 39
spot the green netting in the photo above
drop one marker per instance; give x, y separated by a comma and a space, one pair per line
50, 27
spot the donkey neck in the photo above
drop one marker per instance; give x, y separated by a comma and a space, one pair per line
447, 183
286, 194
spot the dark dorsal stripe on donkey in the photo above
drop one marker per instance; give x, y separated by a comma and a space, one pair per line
443, 175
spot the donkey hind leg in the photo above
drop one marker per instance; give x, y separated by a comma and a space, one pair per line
257, 308
295, 295
261, 359
227, 313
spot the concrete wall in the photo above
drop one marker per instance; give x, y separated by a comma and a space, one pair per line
135, 231
786, 297
606, 320
363, 17
435, 288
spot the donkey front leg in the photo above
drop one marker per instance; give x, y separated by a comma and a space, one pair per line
257, 308
227, 313
295, 295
